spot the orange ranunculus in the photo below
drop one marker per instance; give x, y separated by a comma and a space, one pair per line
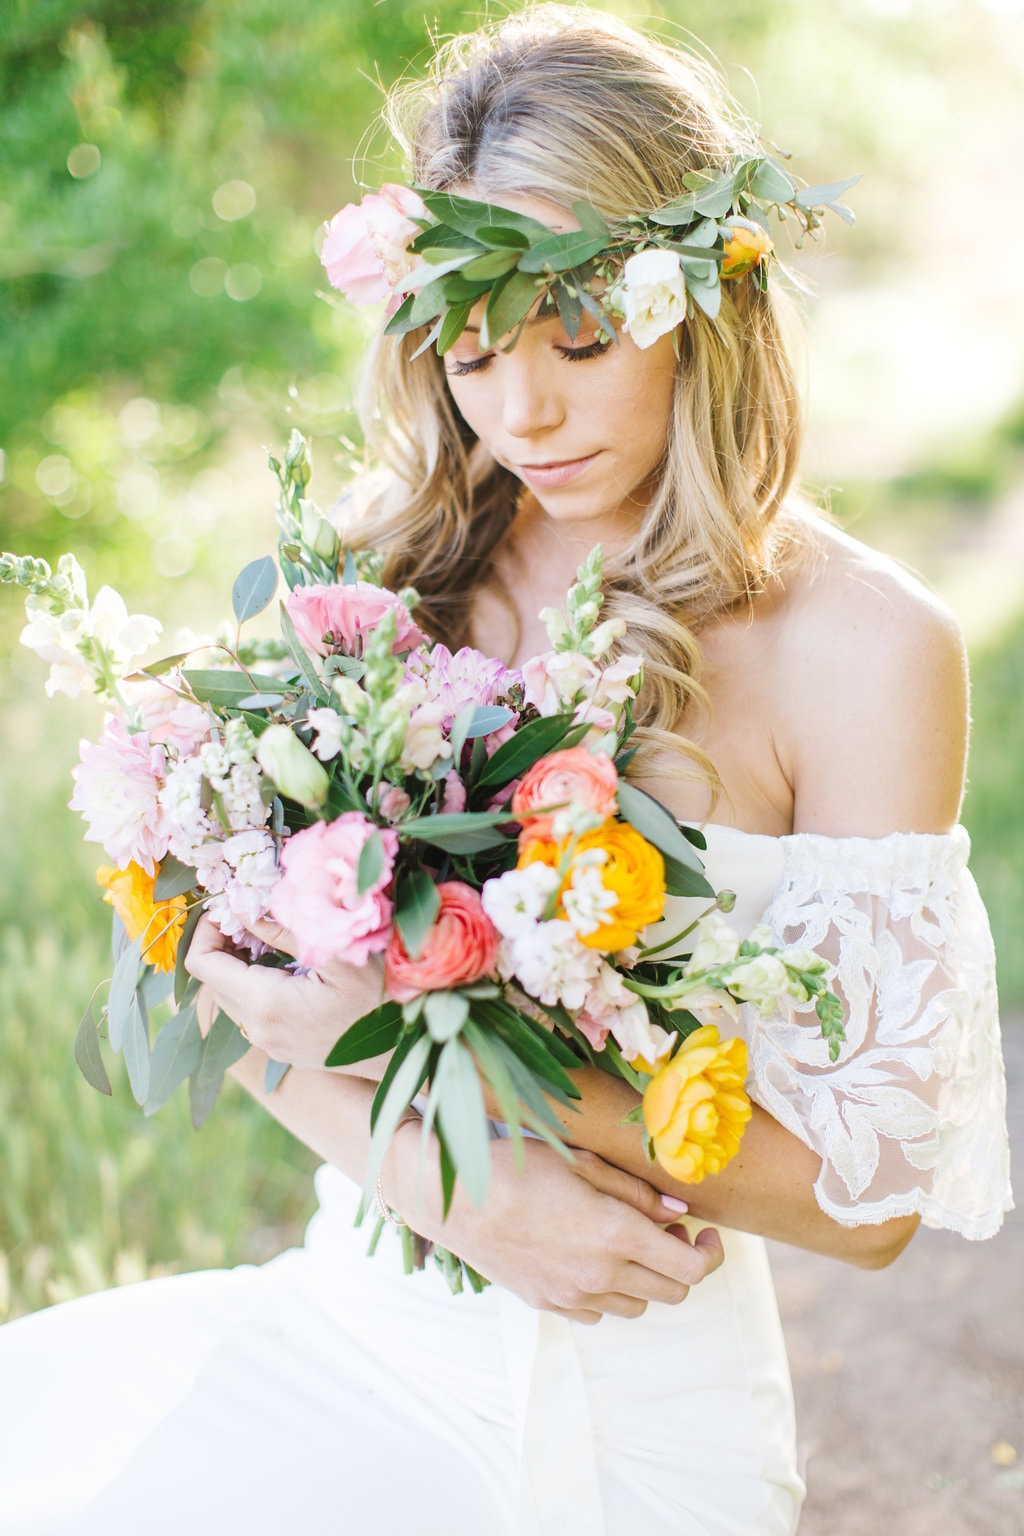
130, 893
744, 249
633, 869
696, 1108
577, 774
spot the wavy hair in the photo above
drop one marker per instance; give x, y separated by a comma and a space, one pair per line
562, 103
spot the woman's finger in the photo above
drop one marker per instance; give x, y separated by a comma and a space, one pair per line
627, 1187
274, 935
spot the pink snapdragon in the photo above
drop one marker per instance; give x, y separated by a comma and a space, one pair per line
117, 785
366, 251
330, 618
319, 899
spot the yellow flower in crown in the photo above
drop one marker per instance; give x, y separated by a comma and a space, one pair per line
696, 1108
632, 870
745, 248
130, 893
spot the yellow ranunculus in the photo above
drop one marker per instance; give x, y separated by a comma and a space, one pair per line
130, 893
696, 1108
744, 249
633, 869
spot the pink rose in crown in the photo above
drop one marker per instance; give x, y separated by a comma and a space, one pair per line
318, 896
366, 251
462, 946
335, 617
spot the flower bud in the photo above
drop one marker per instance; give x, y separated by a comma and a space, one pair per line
318, 534
746, 246
292, 767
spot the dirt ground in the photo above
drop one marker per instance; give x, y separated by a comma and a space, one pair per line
910, 1380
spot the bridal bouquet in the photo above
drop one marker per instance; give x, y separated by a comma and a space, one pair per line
378, 795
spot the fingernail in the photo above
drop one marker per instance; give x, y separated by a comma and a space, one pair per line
674, 1204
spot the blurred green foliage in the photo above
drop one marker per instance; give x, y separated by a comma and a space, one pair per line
164, 168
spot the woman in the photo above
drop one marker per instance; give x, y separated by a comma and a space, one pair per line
803, 693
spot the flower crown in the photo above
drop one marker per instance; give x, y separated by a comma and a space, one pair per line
434, 256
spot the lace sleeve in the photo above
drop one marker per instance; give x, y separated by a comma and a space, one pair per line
911, 1118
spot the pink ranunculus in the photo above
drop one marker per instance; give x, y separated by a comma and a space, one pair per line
462, 946
345, 614
318, 896
589, 779
117, 784
366, 251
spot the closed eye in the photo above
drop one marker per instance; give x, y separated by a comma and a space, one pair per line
580, 354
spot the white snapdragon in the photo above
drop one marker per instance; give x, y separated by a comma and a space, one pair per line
329, 733
653, 295
715, 943
640, 1041
763, 981
425, 742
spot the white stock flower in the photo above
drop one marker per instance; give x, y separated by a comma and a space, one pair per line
552, 965
653, 295
515, 901
588, 901
715, 943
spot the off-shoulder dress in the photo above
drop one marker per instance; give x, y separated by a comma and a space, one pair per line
325, 1392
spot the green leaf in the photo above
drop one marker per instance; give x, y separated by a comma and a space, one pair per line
393, 1098
121, 997
371, 863
496, 1075
459, 730
225, 687
176, 1053
590, 221
173, 879
87, 1053
533, 741
371, 1035
537, 1111
463, 1119
676, 214
493, 264
478, 220
223, 1046
400, 322
254, 588
405, 1044
500, 238
274, 1074
509, 303
718, 198
650, 818
182, 979
570, 310
683, 880
452, 326
416, 906
824, 193
302, 660
457, 832
559, 252
445, 1013
487, 718
525, 1045
135, 1047
157, 668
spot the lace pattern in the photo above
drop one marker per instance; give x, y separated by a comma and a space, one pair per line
911, 1118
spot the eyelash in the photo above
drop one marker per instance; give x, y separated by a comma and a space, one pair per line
458, 370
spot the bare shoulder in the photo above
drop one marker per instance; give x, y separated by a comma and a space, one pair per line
872, 692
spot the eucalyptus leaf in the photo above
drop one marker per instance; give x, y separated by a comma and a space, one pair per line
457, 832
87, 1053
416, 906
559, 252
463, 1119
590, 221
650, 818
254, 588
176, 1052
122, 992
770, 184
274, 1074
173, 879
371, 1035
371, 863
487, 718
223, 1046
226, 687
683, 880
182, 979
445, 1013
460, 730
570, 310
135, 1047
824, 194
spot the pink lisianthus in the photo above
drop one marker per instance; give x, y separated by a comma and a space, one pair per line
117, 784
318, 896
462, 946
366, 251
329, 618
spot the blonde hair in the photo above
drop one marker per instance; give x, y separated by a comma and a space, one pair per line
562, 103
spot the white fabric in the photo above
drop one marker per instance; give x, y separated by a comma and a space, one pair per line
328, 1393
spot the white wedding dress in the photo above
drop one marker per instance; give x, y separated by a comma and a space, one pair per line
328, 1393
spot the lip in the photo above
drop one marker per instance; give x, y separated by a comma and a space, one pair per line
554, 473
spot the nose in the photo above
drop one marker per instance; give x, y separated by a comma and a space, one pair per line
532, 404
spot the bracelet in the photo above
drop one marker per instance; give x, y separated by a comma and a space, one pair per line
384, 1210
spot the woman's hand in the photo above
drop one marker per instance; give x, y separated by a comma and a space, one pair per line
294, 1018
581, 1239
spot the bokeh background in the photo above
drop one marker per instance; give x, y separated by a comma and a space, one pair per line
164, 168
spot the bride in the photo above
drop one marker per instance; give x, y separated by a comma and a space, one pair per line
806, 703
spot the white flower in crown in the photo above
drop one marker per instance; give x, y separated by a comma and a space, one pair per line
653, 295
